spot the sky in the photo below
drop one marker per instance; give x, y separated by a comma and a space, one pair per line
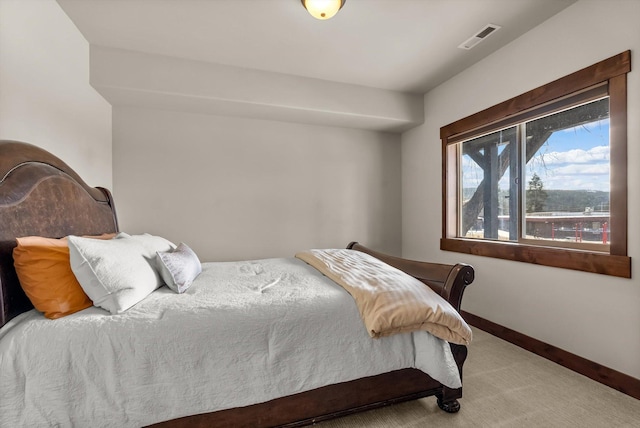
576, 158
571, 159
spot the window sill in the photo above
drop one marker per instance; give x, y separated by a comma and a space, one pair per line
586, 261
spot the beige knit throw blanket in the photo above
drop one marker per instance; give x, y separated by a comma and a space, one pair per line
389, 300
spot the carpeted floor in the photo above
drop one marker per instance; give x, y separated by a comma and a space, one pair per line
506, 386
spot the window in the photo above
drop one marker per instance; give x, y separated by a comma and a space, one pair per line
541, 178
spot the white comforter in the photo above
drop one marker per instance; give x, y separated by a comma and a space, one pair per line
244, 333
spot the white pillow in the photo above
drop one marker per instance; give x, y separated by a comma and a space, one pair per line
179, 267
118, 273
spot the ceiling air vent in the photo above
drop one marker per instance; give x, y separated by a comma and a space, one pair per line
480, 36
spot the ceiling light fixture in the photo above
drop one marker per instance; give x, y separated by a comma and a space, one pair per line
323, 9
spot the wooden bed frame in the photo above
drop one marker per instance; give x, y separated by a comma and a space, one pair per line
41, 195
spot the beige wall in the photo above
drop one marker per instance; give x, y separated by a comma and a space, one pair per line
45, 96
243, 164
241, 188
594, 316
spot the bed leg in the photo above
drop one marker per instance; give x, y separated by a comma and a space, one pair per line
448, 398
450, 406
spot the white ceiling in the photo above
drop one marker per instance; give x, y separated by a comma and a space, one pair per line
401, 45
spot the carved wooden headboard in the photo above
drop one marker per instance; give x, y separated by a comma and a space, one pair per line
41, 195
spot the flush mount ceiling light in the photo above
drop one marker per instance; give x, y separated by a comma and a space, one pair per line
323, 9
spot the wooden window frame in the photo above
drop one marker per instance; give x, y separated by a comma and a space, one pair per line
611, 72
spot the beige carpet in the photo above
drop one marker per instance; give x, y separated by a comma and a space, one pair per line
506, 386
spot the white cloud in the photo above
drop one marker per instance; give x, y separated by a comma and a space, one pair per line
575, 156
571, 170
576, 177
579, 169
574, 169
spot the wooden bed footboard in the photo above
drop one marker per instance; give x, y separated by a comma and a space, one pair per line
449, 281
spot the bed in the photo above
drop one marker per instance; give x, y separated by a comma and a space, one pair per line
42, 196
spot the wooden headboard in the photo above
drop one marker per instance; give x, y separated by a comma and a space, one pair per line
41, 195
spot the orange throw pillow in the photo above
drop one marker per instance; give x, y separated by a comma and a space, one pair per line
45, 274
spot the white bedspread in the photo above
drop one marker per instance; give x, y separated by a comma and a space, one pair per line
244, 333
